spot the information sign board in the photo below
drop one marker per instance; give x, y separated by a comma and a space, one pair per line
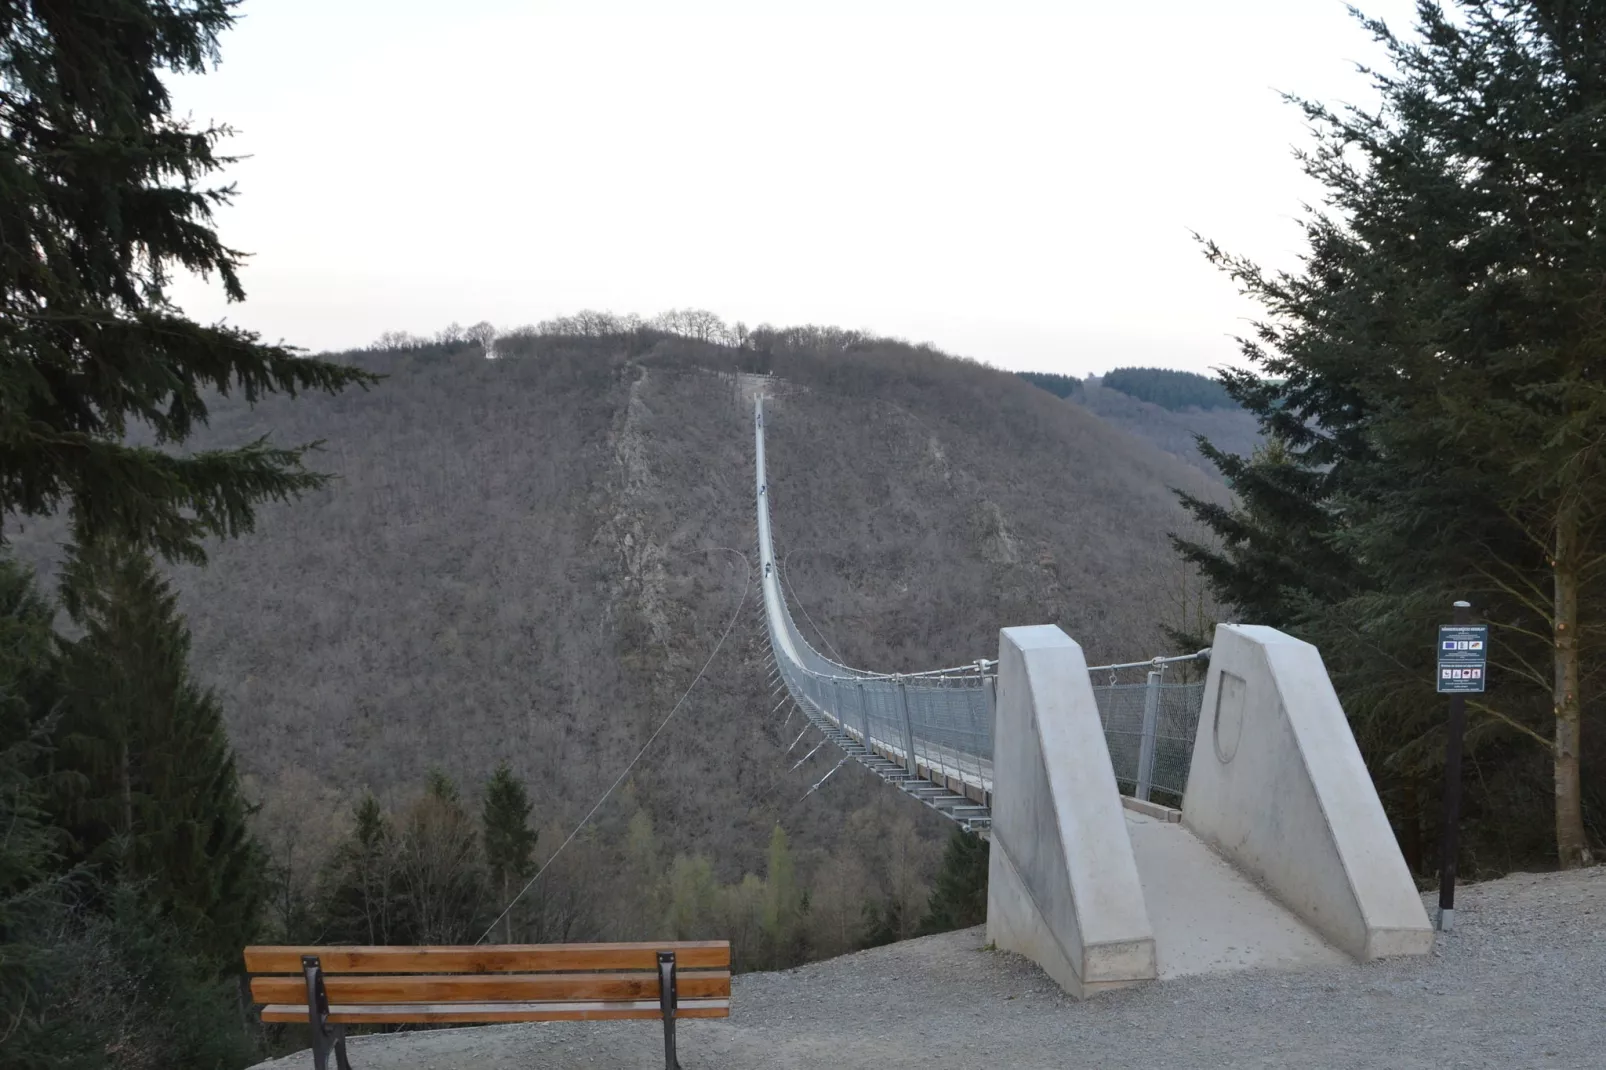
1463, 657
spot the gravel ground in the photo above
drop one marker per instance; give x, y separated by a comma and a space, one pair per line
1520, 983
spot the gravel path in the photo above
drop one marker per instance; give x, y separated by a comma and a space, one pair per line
1521, 983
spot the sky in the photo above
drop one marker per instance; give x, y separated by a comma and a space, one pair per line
1013, 182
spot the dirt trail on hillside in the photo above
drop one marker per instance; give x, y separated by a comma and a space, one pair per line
1521, 983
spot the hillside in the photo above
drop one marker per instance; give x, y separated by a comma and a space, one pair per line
1164, 406
1061, 386
1228, 428
1170, 388
521, 560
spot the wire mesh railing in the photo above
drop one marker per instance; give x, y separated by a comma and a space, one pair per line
939, 727
1149, 723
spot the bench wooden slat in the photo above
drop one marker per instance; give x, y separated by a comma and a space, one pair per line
490, 988
507, 958
464, 1013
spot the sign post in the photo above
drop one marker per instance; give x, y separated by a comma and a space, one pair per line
1462, 669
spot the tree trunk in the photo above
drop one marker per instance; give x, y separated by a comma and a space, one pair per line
1572, 846
1411, 825
128, 793
507, 919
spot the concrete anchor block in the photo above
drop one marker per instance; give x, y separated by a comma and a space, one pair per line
1278, 787
1063, 885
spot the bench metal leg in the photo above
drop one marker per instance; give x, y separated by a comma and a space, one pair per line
325, 1038
666, 1005
332, 1041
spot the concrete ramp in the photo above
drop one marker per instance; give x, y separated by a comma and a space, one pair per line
1207, 916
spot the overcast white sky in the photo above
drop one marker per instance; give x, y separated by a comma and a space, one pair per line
1012, 182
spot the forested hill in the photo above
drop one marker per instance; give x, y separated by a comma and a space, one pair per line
1169, 388
1061, 386
1167, 407
525, 558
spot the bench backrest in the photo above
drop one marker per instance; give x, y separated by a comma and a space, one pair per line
497, 983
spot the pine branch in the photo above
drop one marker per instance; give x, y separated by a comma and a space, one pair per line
1511, 723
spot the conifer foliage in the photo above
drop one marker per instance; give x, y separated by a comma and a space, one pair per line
1432, 382
509, 840
959, 899
157, 800
30, 846
102, 198
420, 878
1169, 388
128, 883
362, 903
1061, 386
784, 901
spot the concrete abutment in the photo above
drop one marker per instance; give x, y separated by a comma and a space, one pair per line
1282, 858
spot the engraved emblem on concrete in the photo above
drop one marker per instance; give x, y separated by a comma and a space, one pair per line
1229, 722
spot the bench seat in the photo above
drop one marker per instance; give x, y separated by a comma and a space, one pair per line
467, 1013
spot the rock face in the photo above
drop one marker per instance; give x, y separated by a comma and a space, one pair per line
529, 558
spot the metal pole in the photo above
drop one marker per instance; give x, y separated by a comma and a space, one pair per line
668, 998
908, 728
1452, 795
864, 715
1151, 717
989, 690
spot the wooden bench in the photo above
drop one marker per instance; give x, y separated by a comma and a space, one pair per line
333, 987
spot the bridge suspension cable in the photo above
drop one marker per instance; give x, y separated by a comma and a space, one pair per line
747, 583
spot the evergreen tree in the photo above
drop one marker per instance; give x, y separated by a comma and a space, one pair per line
31, 888
644, 910
92, 972
1168, 388
1061, 386
104, 197
783, 903
509, 840
1434, 375
885, 922
132, 990
359, 892
959, 899
160, 801
439, 785
28, 689
1274, 555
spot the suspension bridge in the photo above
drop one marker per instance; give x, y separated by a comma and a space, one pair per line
929, 734
1133, 837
